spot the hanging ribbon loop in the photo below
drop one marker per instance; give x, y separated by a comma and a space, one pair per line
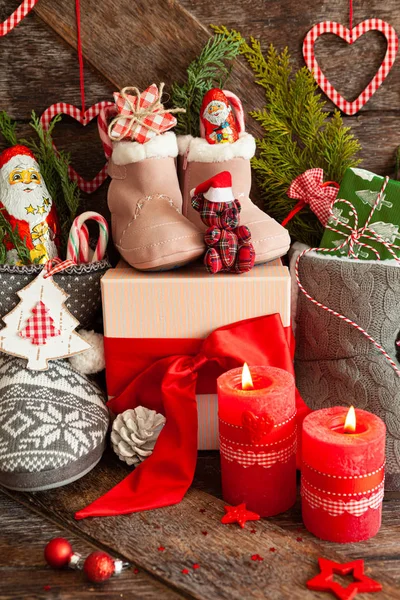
169, 387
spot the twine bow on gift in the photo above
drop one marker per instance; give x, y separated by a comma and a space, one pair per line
355, 239
355, 236
309, 189
141, 115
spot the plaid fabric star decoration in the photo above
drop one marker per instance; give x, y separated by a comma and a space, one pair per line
40, 326
140, 117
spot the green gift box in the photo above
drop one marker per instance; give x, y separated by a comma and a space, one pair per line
361, 188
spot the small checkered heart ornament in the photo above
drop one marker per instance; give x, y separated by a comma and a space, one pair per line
351, 36
16, 17
82, 118
256, 426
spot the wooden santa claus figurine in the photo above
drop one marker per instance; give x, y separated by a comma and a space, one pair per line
26, 204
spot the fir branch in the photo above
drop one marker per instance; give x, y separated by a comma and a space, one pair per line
298, 134
54, 168
208, 70
7, 129
19, 245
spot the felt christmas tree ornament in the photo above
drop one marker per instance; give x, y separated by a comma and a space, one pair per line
27, 206
200, 160
144, 197
228, 243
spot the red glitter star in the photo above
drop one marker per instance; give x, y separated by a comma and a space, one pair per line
185, 571
257, 557
161, 548
204, 532
299, 539
202, 510
324, 581
253, 531
272, 549
136, 571
196, 566
239, 514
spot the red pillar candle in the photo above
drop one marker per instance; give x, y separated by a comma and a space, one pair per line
257, 429
342, 480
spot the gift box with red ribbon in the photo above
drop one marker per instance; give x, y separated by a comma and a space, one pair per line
149, 316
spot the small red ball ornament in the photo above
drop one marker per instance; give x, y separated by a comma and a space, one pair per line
58, 553
99, 566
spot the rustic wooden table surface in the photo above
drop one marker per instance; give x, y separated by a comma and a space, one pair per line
191, 533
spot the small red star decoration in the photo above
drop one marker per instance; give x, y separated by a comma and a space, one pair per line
185, 571
253, 531
324, 581
161, 548
47, 588
196, 566
272, 549
238, 514
299, 539
136, 571
202, 510
204, 532
257, 557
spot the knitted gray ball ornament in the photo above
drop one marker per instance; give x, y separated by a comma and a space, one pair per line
134, 434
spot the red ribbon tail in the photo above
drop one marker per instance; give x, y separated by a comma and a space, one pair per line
297, 208
164, 478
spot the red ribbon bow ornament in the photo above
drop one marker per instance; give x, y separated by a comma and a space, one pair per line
169, 387
309, 188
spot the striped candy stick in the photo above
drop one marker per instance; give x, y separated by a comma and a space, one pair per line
78, 241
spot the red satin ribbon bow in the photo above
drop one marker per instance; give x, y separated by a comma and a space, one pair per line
309, 188
164, 477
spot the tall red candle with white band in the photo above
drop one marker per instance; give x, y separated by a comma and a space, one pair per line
257, 428
342, 479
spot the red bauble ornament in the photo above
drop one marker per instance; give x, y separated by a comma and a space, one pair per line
99, 566
58, 553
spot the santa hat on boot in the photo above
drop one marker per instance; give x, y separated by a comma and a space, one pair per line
216, 189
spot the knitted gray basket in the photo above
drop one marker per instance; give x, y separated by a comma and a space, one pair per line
335, 364
81, 282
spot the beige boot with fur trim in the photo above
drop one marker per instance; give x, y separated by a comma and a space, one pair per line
200, 160
145, 201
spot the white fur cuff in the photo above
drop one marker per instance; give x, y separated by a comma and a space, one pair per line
199, 150
159, 146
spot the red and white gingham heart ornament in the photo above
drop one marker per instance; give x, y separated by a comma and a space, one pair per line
16, 17
83, 118
351, 36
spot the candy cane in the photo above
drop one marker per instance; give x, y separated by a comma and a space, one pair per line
78, 241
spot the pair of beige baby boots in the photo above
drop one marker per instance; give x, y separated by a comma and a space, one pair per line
154, 226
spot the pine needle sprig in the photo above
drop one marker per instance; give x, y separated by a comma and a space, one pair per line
54, 168
208, 70
20, 246
8, 129
298, 134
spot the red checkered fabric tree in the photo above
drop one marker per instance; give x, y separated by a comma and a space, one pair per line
40, 326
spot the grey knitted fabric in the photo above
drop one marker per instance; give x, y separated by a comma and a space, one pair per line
335, 364
81, 282
53, 425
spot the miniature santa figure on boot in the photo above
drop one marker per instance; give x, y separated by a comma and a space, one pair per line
217, 118
26, 204
229, 243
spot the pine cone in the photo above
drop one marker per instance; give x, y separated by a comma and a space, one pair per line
134, 434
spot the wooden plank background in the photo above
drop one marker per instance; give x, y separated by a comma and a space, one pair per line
139, 42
